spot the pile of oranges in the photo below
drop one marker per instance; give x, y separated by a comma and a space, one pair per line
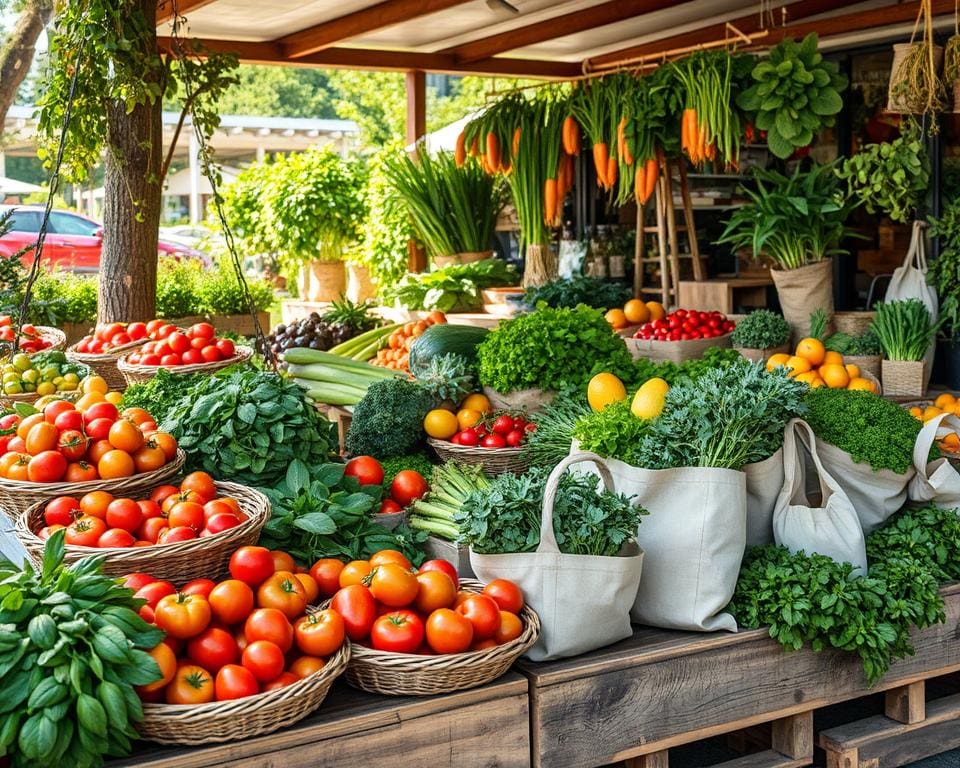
635, 312
945, 403
814, 365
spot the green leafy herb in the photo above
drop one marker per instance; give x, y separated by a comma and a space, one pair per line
761, 329
569, 292
614, 433
159, 394
854, 346
944, 271
550, 442
549, 349
904, 329
505, 516
451, 289
388, 421
72, 649
872, 430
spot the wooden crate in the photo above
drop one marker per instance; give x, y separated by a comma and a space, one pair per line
661, 689
725, 295
458, 556
482, 726
910, 729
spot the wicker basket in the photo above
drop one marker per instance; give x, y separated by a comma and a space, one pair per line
104, 364
866, 363
137, 374
16, 496
409, 674
193, 724
853, 323
903, 378
184, 560
495, 461
31, 397
755, 355
56, 338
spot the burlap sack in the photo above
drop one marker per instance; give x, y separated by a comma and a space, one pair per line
801, 291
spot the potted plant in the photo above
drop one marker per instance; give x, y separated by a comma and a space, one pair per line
944, 275
915, 85
760, 334
453, 209
905, 330
951, 69
798, 222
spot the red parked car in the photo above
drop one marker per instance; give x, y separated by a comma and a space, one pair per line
73, 241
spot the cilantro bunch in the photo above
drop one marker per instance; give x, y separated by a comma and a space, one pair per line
550, 349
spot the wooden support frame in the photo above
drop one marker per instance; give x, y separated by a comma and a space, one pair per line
416, 105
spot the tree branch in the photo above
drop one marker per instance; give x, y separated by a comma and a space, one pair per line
17, 55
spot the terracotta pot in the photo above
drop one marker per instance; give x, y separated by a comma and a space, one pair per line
322, 280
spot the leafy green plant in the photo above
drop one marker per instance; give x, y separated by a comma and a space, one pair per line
320, 512
587, 520
613, 433
388, 421
549, 349
872, 430
176, 287
761, 329
854, 346
72, 648
161, 393
248, 426
796, 94
794, 220
944, 271
453, 209
890, 178
448, 377
217, 292
904, 329
556, 423
570, 291
63, 297
451, 289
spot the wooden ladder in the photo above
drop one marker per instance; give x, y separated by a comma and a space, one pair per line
666, 249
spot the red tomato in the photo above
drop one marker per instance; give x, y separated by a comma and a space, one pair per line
326, 573
483, 612
178, 341
282, 681
235, 682
98, 429
231, 601
54, 409
264, 659
201, 587
213, 648
444, 567
149, 509
151, 528
448, 632
173, 535
253, 565
85, 531
201, 331
192, 357
72, 444
171, 360
226, 348
358, 609
137, 331
407, 487
511, 627
101, 410
493, 441
398, 632
125, 514
211, 354
192, 685
154, 591
62, 510
284, 592
186, 513
160, 493
282, 561
46, 467
116, 537
320, 633
222, 522
202, 484
389, 507
366, 469
137, 581
506, 594
183, 615
269, 624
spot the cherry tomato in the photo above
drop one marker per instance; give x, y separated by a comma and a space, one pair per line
397, 632
320, 633
235, 682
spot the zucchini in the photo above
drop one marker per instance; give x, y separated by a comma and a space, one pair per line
445, 339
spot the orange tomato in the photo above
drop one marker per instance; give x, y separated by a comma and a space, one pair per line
284, 592
167, 661
192, 685
385, 556
393, 585
201, 483
511, 627
125, 436
98, 450
42, 437
310, 586
114, 464
27, 423
307, 665
148, 459
282, 561
95, 504
354, 572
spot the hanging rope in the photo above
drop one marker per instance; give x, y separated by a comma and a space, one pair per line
51, 194
212, 173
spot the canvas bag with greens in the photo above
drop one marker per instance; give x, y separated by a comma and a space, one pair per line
583, 601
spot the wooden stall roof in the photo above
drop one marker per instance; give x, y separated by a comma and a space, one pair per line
520, 38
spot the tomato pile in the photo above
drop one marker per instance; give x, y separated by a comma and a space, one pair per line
173, 347
388, 606
686, 325
407, 485
476, 423
237, 637
82, 441
30, 340
107, 336
396, 355
172, 513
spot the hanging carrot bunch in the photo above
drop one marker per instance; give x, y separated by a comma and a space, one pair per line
591, 107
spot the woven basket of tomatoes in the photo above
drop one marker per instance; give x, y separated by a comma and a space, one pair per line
194, 350
177, 532
108, 342
443, 633
495, 441
32, 338
243, 657
70, 449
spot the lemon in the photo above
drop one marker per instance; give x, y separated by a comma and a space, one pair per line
46, 388
440, 424
650, 398
603, 389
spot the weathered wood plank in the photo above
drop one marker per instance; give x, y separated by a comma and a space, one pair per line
907, 704
662, 689
793, 736
482, 727
766, 759
653, 760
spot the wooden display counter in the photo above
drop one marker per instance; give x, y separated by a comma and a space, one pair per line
724, 295
484, 726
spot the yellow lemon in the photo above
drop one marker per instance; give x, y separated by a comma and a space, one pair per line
603, 389
650, 398
440, 424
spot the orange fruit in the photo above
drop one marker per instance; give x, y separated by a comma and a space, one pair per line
636, 311
956, 408
440, 424
777, 360
951, 443
853, 370
477, 402
616, 318
797, 365
861, 383
657, 312
834, 376
833, 357
467, 417
603, 389
807, 378
945, 400
930, 412
90, 398
811, 350
916, 412
817, 383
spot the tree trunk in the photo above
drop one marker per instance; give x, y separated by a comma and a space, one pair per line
16, 55
132, 203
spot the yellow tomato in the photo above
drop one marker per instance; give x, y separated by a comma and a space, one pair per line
440, 424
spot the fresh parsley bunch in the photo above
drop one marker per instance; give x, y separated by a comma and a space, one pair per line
761, 329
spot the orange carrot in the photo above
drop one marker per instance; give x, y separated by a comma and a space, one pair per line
474, 148
687, 130
515, 147
460, 156
701, 143
571, 136
600, 158
493, 151
550, 200
650, 178
611, 172
639, 182
626, 154
711, 151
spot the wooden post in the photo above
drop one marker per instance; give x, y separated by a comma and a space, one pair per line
793, 736
907, 704
689, 220
416, 105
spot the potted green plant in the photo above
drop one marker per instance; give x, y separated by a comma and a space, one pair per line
760, 334
915, 84
944, 276
905, 330
798, 222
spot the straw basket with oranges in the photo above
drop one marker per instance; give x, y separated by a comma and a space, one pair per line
816, 366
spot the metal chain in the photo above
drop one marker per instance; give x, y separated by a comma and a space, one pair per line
212, 174
51, 194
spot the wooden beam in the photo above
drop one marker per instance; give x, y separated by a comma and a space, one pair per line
386, 61
416, 105
746, 24
384, 14
558, 26
165, 8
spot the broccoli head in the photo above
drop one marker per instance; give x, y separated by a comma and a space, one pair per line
388, 421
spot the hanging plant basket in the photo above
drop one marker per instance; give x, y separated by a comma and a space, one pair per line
915, 84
